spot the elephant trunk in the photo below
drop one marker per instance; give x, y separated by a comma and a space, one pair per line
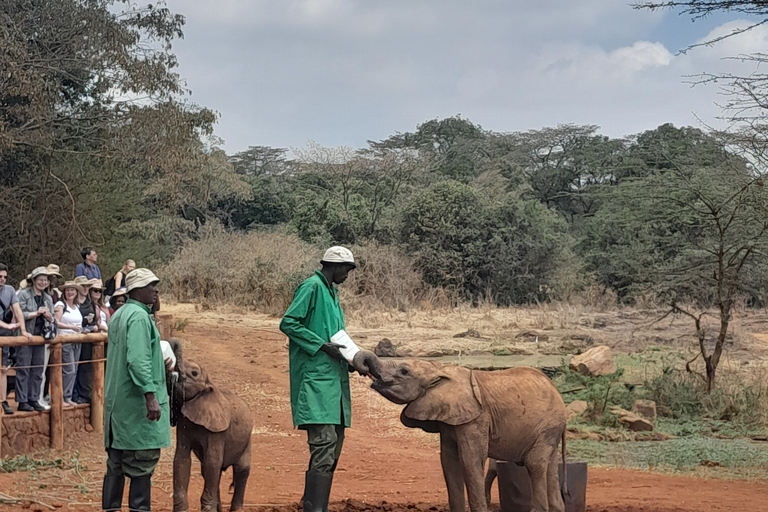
375, 365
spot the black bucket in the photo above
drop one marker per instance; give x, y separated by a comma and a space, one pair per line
515, 487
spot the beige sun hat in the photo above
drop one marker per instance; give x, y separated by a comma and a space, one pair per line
139, 278
338, 254
70, 284
25, 282
95, 284
39, 271
54, 270
82, 281
119, 292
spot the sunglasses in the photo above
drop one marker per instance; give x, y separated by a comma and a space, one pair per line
3, 277
96, 291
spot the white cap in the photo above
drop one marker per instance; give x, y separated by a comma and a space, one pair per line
338, 254
139, 278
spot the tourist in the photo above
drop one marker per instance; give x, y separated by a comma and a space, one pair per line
136, 415
37, 307
53, 275
117, 300
118, 280
70, 321
88, 267
10, 324
319, 372
89, 308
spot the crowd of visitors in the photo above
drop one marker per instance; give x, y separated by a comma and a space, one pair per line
45, 306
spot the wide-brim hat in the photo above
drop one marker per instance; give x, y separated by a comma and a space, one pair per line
339, 254
39, 271
70, 284
139, 278
82, 281
54, 270
120, 292
95, 284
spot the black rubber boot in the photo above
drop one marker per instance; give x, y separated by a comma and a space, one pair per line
140, 494
317, 490
112, 492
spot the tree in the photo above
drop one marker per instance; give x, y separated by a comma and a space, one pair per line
690, 232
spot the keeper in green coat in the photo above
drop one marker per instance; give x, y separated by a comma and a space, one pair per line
136, 415
321, 356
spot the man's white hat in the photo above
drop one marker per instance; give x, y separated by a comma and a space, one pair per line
338, 254
139, 278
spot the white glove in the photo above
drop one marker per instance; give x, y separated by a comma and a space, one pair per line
345, 344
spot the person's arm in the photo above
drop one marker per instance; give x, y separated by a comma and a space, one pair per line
139, 361
118, 279
292, 325
19, 317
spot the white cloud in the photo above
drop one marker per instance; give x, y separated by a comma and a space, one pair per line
343, 71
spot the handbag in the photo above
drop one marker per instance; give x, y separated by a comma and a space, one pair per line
49, 330
7, 313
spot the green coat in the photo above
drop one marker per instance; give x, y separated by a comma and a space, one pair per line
319, 384
134, 366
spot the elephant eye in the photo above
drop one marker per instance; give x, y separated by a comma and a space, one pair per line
194, 373
403, 371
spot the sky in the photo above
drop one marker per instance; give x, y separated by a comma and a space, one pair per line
342, 72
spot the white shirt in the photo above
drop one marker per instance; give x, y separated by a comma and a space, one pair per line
69, 316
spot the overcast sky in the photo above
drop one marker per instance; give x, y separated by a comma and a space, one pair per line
340, 72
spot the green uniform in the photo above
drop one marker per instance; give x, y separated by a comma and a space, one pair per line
135, 366
319, 384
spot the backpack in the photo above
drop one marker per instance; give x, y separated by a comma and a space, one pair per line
109, 286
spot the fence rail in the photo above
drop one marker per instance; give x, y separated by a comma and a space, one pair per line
56, 387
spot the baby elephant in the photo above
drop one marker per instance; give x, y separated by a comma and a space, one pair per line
216, 425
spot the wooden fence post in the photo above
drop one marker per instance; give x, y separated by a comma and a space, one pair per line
97, 393
57, 398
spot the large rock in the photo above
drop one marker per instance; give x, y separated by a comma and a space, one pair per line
645, 409
385, 348
632, 420
576, 409
595, 361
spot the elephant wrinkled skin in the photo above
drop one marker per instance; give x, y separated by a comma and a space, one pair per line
216, 425
515, 415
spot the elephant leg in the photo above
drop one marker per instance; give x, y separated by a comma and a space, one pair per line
454, 478
240, 472
553, 484
537, 464
472, 440
212, 462
182, 467
490, 476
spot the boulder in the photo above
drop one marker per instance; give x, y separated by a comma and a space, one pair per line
595, 361
532, 336
632, 420
576, 409
385, 348
645, 409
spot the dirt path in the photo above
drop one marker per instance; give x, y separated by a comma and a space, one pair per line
382, 460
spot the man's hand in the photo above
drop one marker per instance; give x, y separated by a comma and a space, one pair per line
153, 407
168, 364
332, 349
28, 335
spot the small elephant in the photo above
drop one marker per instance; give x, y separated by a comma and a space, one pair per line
216, 425
516, 415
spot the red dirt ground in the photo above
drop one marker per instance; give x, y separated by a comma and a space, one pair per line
382, 461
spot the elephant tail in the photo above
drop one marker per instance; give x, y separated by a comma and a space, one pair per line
566, 492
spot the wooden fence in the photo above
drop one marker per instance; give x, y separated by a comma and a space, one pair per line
55, 384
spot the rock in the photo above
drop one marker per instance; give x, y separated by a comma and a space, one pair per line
385, 348
471, 333
450, 352
404, 352
632, 420
576, 409
532, 336
645, 409
595, 361
89, 428
430, 353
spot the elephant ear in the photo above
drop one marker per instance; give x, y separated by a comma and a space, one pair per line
427, 426
453, 397
209, 409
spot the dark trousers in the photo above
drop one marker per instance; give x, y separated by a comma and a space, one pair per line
325, 443
84, 379
132, 463
29, 381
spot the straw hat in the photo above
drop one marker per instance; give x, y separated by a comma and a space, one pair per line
54, 270
140, 278
82, 281
96, 284
39, 271
119, 292
25, 282
70, 284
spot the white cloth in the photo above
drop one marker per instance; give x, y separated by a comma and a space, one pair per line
348, 348
165, 347
69, 316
